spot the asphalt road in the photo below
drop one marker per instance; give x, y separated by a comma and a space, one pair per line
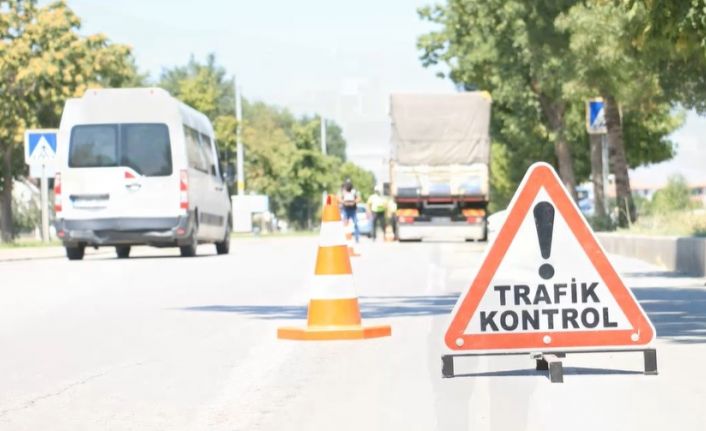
159, 342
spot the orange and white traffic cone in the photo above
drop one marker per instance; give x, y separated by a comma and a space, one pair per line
349, 239
334, 312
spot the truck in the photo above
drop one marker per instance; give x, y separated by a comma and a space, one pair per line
439, 165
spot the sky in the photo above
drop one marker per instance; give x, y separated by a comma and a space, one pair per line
338, 58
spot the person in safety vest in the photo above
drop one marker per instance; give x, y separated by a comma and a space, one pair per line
377, 205
349, 199
391, 209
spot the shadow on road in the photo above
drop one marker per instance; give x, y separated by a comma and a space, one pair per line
678, 314
371, 307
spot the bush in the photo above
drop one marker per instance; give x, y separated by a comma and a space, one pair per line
601, 224
673, 197
26, 216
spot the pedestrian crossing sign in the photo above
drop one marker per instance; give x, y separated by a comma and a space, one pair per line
40, 146
595, 117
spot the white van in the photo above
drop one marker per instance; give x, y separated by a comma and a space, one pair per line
136, 166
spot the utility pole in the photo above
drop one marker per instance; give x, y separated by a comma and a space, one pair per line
239, 139
323, 135
606, 170
323, 147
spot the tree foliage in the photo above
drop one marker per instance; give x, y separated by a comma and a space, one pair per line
511, 49
283, 156
540, 61
44, 60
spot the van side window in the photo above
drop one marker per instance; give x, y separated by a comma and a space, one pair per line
193, 150
207, 148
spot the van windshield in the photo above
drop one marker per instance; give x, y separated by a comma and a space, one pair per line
142, 147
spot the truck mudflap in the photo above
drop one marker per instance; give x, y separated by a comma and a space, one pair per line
423, 230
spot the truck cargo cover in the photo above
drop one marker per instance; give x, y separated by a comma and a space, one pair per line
440, 129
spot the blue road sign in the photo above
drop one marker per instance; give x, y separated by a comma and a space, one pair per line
595, 116
40, 146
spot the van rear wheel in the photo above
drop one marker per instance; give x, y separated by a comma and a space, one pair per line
75, 252
123, 251
223, 247
189, 250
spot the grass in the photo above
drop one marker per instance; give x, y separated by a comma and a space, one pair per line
29, 243
677, 223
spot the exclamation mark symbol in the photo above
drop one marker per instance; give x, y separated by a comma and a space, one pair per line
544, 221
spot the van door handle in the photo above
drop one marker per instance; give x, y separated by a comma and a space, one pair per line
133, 186
219, 188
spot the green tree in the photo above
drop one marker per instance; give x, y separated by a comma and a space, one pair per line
607, 64
511, 49
43, 61
540, 61
363, 180
282, 153
205, 87
673, 35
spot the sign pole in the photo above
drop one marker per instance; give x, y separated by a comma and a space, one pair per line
606, 167
239, 141
45, 204
323, 135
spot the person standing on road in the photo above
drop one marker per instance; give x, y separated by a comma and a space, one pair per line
377, 206
391, 209
349, 199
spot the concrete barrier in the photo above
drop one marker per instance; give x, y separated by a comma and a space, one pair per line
686, 255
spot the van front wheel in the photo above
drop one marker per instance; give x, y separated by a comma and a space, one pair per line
75, 252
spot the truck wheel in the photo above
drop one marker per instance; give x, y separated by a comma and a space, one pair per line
189, 250
75, 252
223, 247
123, 251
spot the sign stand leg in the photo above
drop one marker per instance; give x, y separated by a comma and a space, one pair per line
542, 365
45, 204
650, 356
556, 372
447, 366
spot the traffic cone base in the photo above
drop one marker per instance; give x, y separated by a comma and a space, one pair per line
334, 319
313, 333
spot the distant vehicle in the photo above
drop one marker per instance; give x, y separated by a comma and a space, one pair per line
138, 167
440, 153
586, 201
365, 224
495, 222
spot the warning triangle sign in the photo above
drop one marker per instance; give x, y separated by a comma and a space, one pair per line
545, 283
